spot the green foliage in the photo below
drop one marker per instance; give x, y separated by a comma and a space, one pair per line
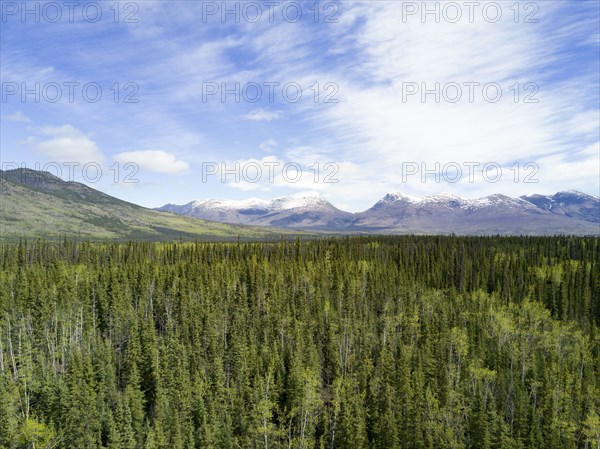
78, 211
357, 343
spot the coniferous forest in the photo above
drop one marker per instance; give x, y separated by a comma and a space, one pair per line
349, 343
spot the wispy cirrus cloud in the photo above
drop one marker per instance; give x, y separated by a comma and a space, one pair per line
369, 53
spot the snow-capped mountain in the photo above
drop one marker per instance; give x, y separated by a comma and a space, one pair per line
447, 213
570, 203
310, 212
568, 212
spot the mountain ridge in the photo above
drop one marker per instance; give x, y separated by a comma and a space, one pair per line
563, 212
38, 204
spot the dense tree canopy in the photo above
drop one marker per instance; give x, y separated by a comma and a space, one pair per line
352, 343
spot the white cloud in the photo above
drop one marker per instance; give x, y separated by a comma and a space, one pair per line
578, 170
68, 144
373, 127
262, 115
284, 176
17, 117
154, 160
369, 53
247, 186
268, 145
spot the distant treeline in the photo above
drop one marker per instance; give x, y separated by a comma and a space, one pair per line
350, 343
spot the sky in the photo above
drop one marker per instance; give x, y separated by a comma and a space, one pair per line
168, 102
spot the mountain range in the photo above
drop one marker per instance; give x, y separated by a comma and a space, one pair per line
568, 212
39, 204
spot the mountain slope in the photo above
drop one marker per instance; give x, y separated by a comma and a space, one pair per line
39, 204
562, 213
494, 214
570, 204
36, 203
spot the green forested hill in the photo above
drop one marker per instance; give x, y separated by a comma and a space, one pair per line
383, 343
38, 204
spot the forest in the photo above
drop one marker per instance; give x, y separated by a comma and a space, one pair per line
412, 342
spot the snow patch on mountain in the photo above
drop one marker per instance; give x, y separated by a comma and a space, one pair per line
454, 201
562, 212
275, 205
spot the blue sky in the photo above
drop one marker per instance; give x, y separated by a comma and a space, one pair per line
370, 128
